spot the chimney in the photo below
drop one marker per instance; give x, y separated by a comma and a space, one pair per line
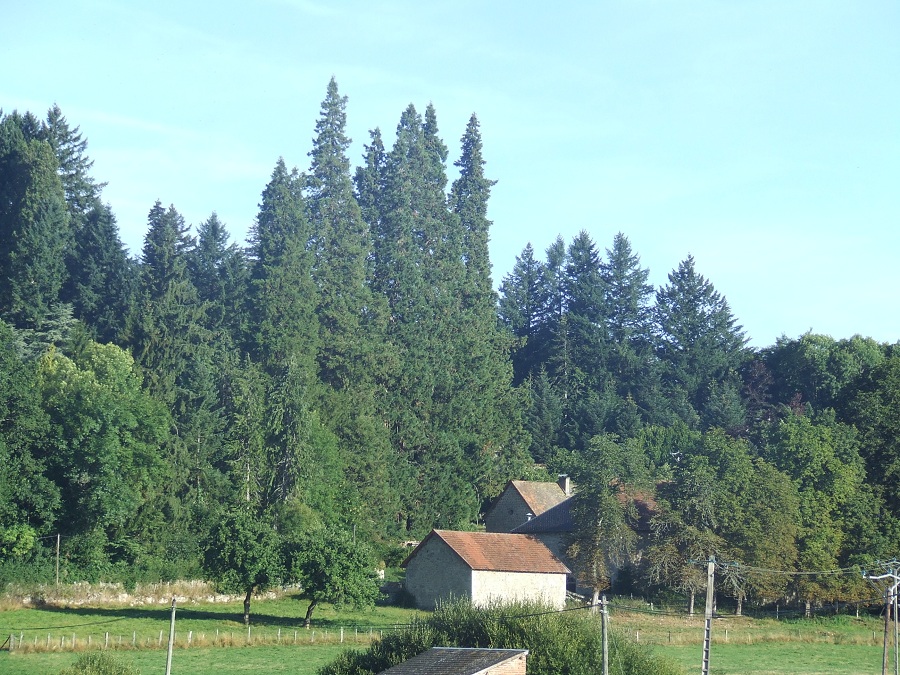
565, 484
529, 515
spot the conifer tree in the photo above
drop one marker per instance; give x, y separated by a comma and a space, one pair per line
175, 352
469, 199
220, 273
282, 292
102, 280
699, 340
629, 324
522, 309
35, 228
352, 348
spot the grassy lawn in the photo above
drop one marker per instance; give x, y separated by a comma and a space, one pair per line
841, 645
301, 660
210, 623
218, 637
769, 658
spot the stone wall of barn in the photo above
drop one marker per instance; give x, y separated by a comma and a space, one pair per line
488, 587
436, 573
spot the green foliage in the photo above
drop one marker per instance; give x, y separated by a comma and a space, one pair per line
331, 567
16, 540
347, 368
556, 642
243, 554
35, 228
99, 663
700, 341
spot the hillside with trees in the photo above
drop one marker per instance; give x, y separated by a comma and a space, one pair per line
351, 368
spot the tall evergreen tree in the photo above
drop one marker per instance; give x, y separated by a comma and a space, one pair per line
221, 274
591, 397
629, 323
468, 198
699, 340
174, 350
352, 349
283, 293
102, 280
35, 228
522, 309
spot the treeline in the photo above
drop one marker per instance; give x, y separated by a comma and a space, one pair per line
348, 367
344, 368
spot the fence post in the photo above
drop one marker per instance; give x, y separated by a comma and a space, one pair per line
171, 640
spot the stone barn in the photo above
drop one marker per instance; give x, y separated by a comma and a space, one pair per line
486, 567
522, 500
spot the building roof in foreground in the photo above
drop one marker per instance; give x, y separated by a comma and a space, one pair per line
455, 661
498, 552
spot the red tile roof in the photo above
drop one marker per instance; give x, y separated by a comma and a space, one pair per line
539, 496
455, 661
499, 552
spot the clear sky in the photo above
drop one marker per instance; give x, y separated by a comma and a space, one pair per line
762, 137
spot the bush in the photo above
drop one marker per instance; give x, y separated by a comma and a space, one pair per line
559, 643
99, 663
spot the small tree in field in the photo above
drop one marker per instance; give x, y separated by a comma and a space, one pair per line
331, 567
243, 555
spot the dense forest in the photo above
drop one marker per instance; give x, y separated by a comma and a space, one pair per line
351, 366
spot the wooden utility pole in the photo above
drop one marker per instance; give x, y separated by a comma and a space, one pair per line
604, 622
171, 640
57, 559
710, 595
890, 604
896, 636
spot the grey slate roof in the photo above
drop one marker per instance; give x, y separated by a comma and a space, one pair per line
454, 661
556, 519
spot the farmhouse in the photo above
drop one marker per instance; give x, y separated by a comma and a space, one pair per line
555, 527
463, 661
524, 499
485, 567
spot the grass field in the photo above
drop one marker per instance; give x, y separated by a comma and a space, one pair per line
301, 660
219, 644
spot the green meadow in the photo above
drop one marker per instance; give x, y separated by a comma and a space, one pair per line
212, 640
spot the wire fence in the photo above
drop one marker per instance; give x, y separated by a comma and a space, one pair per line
44, 640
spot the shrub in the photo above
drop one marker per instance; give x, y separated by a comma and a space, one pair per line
99, 663
559, 643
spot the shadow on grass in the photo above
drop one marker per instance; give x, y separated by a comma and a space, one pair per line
230, 615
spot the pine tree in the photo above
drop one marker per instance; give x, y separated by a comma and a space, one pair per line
491, 414
469, 197
283, 294
102, 280
522, 309
629, 324
35, 229
82, 192
346, 309
220, 273
700, 342
352, 349
176, 354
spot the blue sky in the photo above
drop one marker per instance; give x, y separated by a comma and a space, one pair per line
762, 137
